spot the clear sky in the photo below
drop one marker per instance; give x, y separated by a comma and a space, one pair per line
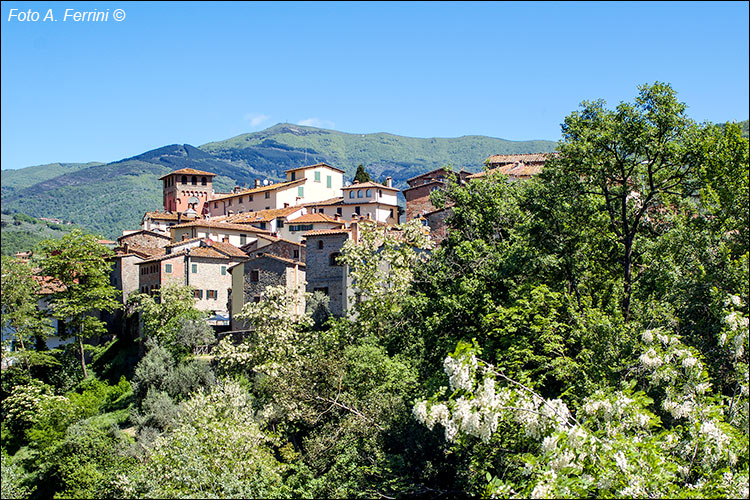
198, 72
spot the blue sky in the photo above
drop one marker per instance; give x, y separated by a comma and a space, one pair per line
199, 72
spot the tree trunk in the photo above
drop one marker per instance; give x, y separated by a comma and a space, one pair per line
83, 356
627, 284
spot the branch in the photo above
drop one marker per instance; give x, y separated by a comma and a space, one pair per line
352, 410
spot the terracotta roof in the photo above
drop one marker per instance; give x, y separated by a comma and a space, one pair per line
428, 173
525, 158
228, 249
167, 216
208, 252
315, 166
261, 189
325, 232
282, 259
220, 225
150, 233
369, 184
187, 171
146, 251
163, 257
312, 218
416, 186
260, 215
182, 242
329, 201
274, 239
519, 169
49, 284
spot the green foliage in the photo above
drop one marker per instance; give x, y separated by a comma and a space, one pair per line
12, 478
361, 175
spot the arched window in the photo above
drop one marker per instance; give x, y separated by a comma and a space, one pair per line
333, 259
194, 181
203, 181
184, 179
368, 193
359, 193
320, 244
351, 194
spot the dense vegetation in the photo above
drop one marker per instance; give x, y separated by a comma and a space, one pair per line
21, 233
580, 334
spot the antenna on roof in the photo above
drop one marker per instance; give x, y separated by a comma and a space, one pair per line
265, 182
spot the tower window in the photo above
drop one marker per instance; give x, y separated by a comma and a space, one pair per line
203, 181
194, 181
184, 179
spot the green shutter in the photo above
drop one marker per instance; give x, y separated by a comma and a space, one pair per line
317, 176
168, 268
328, 181
195, 268
301, 191
223, 270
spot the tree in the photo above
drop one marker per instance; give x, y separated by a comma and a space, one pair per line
81, 264
631, 160
362, 175
165, 314
19, 300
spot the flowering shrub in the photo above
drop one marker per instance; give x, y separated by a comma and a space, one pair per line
614, 443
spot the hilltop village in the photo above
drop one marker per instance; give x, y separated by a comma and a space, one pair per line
230, 246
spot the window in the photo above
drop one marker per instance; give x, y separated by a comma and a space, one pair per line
216, 205
296, 254
256, 298
195, 268
198, 294
391, 213
351, 194
262, 225
184, 179
230, 203
368, 193
339, 210
301, 191
300, 227
240, 200
317, 176
212, 294
255, 275
333, 259
168, 268
203, 181
194, 181
356, 210
223, 270
328, 181
380, 192
320, 244
321, 289
250, 198
321, 211
279, 222
243, 239
294, 176
359, 193
268, 194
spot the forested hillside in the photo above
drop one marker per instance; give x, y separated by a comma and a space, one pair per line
21, 233
110, 198
582, 334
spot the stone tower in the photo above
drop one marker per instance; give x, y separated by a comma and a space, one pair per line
187, 189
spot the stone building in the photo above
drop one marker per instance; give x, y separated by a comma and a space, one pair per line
420, 187
251, 278
324, 272
273, 245
516, 167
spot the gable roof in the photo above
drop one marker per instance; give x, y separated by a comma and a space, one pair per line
321, 164
221, 225
328, 202
270, 187
181, 253
326, 232
167, 216
143, 231
281, 259
187, 171
260, 215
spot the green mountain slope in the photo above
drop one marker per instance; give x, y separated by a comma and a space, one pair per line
13, 180
106, 199
21, 233
285, 146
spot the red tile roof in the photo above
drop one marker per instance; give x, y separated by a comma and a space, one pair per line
187, 171
329, 201
270, 187
220, 225
525, 158
163, 257
260, 215
282, 259
326, 232
49, 285
170, 216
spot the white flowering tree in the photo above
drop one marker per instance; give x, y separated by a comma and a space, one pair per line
677, 438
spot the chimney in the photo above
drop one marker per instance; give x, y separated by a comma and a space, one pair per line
337, 216
237, 189
184, 236
286, 205
369, 216
389, 181
257, 183
355, 231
